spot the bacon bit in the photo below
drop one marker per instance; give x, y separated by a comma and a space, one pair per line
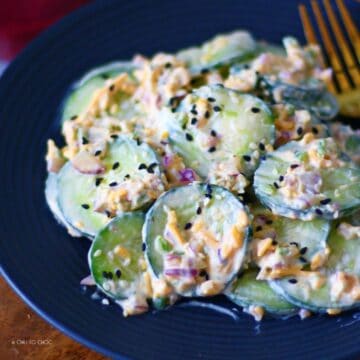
86, 163
121, 251
211, 287
264, 246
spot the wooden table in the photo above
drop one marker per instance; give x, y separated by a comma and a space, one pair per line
25, 335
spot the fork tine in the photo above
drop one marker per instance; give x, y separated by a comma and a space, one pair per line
344, 84
350, 27
342, 44
308, 29
311, 37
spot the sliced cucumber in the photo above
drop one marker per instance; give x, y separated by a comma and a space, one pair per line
115, 256
317, 100
228, 126
51, 193
247, 291
221, 50
196, 238
348, 140
80, 95
296, 242
290, 185
334, 286
86, 195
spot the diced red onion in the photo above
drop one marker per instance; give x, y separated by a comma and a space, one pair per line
181, 272
88, 281
167, 160
187, 175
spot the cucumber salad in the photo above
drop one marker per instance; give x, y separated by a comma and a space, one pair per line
220, 169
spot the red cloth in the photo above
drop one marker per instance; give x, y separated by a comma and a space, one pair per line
22, 20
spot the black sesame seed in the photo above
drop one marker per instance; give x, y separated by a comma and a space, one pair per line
294, 166
143, 246
281, 178
209, 196
97, 152
112, 87
217, 108
315, 130
104, 274
299, 130
98, 181
73, 117
193, 111
118, 273
114, 183
274, 242
204, 274
276, 185
212, 149
303, 250
110, 275
151, 168
168, 65
114, 136
302, 259
268, 222
255, 110
213, 133
246, 157
209, 188
261, 146
127, 176
258, 228
172, 100
105, 76
85, 140
211, 99
189, 137
85, 206
319, 211
138, 141
199, 210
294, 243
204, 71
292, 281
325, 201
207, 114
188, 226
193, 121
108, 214
142, 167
116, 165
173, 110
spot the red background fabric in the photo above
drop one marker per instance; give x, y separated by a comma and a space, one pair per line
22, 20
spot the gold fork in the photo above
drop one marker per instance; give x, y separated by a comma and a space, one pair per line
346, 74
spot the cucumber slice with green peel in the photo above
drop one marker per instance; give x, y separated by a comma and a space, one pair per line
247, 291
305, 180
196, 238
127, 177
307, 238
221, 50
214, 124
51, 193
336, 285
115, 256
80, 95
